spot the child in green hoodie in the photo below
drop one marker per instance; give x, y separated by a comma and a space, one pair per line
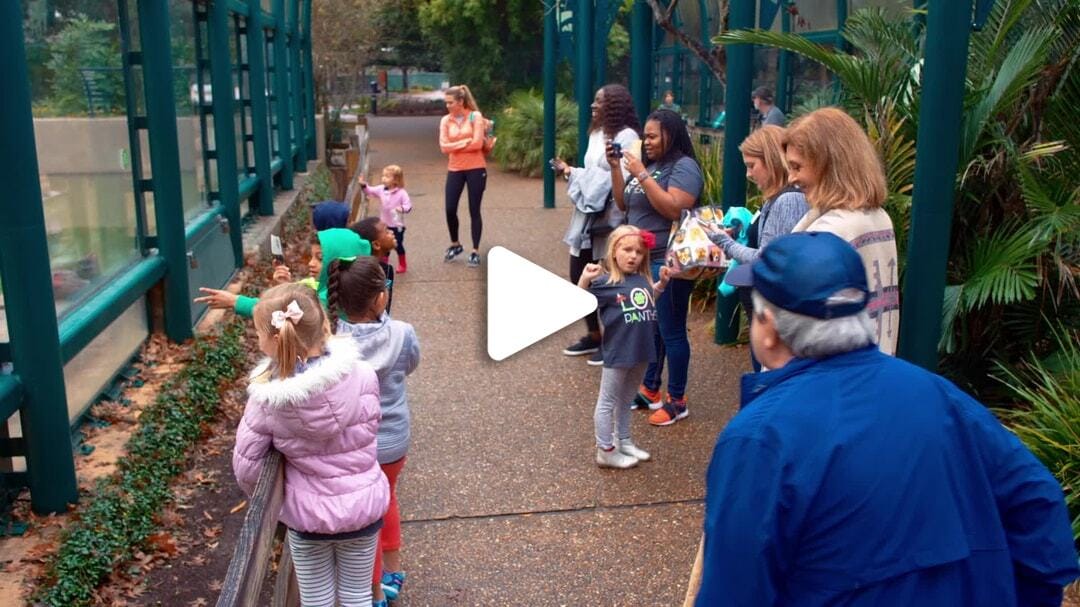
336, 243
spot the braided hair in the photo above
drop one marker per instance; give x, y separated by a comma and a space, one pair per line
674, 134
353, 286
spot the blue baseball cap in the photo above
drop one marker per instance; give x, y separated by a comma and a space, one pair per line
803, 272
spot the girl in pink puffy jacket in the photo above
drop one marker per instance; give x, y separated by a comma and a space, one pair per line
317, 403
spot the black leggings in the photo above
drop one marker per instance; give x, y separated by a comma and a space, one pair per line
455, 183
577, 266
399, 235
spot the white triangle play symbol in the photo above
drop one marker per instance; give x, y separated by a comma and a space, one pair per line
526, 303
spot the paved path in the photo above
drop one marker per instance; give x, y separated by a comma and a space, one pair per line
502, 501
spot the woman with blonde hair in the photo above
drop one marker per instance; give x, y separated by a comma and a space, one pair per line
830, 157
784, 206
461, 138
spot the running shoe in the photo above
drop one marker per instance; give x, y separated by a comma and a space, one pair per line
474, 260
671, 411
453, 251
585, 345
646, 399
391, 582
597, 359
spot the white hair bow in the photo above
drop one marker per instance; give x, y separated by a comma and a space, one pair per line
292, 312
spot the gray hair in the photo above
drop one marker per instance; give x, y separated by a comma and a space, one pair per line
810, 337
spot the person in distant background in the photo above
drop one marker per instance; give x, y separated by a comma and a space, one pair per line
764, 103
669, 103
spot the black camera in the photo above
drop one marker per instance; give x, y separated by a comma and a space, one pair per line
616, 149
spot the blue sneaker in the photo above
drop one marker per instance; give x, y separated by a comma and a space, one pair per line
392, 581
381, 603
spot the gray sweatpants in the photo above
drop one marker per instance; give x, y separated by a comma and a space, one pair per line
618, 386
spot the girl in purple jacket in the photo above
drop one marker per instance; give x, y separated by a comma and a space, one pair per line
317, 403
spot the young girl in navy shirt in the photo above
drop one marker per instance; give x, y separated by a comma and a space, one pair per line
626, 303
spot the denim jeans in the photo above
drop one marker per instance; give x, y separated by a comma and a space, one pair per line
672, 342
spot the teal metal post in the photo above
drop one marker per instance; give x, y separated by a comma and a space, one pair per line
948, 29
308, 75
601, 12
296, 86
281, 92
260, 109
25, 269
165, 163
221, 88
740, 72
551, 26
641, 57
841, 21
583, 85
783, 69
704, 75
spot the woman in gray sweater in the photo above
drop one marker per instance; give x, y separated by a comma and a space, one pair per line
357, 298
784, 205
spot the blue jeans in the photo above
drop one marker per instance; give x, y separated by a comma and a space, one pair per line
672, 342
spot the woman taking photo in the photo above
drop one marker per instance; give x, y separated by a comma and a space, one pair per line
613, 119
784, 206
832, 160
461, 137
662, 184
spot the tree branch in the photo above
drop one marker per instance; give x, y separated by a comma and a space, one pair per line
714, 58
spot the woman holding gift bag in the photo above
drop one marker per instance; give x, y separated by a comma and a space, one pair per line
664, 182
784, 206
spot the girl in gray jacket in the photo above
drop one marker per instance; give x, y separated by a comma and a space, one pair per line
357, 297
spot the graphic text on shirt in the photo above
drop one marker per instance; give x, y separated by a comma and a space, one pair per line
639, 307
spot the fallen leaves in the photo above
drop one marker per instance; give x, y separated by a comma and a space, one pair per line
238, 507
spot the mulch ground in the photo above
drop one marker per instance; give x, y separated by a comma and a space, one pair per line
185, 561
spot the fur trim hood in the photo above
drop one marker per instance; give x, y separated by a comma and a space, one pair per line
340, 361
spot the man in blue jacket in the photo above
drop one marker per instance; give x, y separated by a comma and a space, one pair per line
854, 478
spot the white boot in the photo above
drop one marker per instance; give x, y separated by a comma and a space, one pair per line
614, 459
627, 447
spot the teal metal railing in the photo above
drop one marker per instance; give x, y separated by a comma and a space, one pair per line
272, 74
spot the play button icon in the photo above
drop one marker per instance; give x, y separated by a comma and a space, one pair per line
526, 303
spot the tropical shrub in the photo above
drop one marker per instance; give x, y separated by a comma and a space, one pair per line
1016, 230
85, 44
520, 128
1048, 420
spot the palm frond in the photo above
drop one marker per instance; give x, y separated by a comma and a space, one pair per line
987, 45
1054, 201
881, 37
950, 305
1018, 71
1001, 268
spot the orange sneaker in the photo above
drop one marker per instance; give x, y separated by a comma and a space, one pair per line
646, 399
670, 411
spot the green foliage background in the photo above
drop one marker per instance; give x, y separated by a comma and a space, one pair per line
494, 46
520, 129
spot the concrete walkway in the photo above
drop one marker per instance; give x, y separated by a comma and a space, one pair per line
501, 500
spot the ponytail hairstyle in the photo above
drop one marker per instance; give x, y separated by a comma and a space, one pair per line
645, 239
292, 314
353, 287
461, 93
674, 136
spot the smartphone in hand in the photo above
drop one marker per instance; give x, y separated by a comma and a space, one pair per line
277, 251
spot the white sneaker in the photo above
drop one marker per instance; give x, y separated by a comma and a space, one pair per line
628, 447
614, 459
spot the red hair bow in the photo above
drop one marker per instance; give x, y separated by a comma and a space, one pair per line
648, 239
